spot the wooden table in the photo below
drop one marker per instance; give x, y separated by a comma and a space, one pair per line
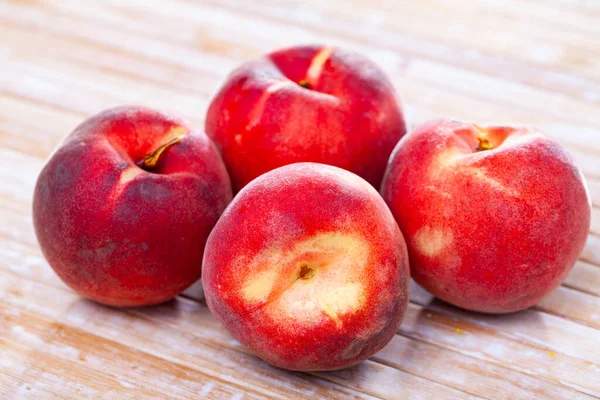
520, 62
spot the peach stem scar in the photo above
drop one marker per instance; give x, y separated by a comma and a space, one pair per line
151, 159
484, 144
304, 83
306, 272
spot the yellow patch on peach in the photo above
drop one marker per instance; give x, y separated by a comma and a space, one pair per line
316, 66
329, 242
446, 158
481, 176
333, 287
483, 132
125, 178
259, 287
175, 132
127, 175
259, 109
443, 193
432, 241
341, 300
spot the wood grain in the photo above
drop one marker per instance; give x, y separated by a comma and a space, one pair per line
533, 62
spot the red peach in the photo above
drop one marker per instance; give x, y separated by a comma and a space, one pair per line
494, 217
123, 208
308, 268
312, 103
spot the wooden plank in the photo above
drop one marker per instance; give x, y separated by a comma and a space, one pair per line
43, 375
207, 354
220, 364
24, 43
595, 223
186, 316
546, 103
33, 129
573, 305
105, 364
431, 326
118, 36
536, 99
590, 8
540, 45
11, 387
591, 252
527, 326
571, 18
191, 323
400, 354
584, 277
594, 188
477, 376
75, 89
332, 26
529, 341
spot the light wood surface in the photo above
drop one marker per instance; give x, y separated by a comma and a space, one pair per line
520, 62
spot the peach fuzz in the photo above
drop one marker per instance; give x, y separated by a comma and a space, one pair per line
308, 268
494, 217
123, 208
307, 103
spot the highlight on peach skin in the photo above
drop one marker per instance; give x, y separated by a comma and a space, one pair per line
123, 208
494, 217
306, 103
308, 268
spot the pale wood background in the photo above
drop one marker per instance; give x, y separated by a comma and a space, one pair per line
511, 61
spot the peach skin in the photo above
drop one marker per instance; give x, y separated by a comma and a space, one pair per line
123, 208
494, 217
308, 268
307, 103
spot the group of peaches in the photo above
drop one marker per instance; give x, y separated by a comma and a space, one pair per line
335, 207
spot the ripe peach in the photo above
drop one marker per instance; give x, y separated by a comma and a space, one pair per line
123, 208
308, 268
310, 103
494, 217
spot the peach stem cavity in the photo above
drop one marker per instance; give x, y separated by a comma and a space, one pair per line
149, 161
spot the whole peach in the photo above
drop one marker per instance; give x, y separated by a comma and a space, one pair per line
494, 217
308, 103
308, 268
123, 208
